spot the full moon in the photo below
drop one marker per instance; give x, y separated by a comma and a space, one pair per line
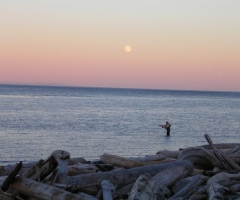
127, 48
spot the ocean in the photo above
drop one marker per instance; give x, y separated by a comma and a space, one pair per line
88, 122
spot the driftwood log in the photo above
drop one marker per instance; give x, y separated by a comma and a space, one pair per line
134, 162
200, 157
5, 185
169, 153
144, 188
149, 158
108, 190
41, 169
119, 161
80, 168
224, 159
41, 191
196, 173
155, 187
189, 188
62, 158
120, 178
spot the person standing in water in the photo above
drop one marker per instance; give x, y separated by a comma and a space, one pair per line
167, 127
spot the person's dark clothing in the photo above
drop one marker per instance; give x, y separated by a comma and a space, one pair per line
167, 127
168, 131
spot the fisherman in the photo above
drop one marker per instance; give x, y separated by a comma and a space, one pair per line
167, 127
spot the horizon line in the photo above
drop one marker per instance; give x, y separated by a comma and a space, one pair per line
104, 87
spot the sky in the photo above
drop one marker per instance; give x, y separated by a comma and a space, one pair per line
175, 44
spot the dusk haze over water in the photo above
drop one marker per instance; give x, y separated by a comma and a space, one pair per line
164, 44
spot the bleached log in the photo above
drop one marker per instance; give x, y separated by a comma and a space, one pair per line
189, 188
123, 192
216, 182
152, 188
201, 190
179, 185
216, 191
119, 161
225, 160
200, 158
171, 175
170, 154
230, 183
212, 173
62, 158
80, 168
156, 157
158, 161
41, 191
73, 161
41, 169
235, 156
6, 170
125, 177
108, 190
92, 189
221, 146
231, 163
11, 177
223, 177
145, 189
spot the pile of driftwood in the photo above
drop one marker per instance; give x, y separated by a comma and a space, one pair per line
204, 172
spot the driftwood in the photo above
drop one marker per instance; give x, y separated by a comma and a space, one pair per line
153, 187
181, 184
62, 158
145, 189
223, 177
149, 158
200, 158
216, 191
5, 185
123, 192
41, 169
216, 184
41, 191
134, 162
235, 188
119, 161
108, 190
170, 154
189, 188
172, 174
92, 189
235, 156
73, 161
124, 177
222, 146
225, 160
194, 173
80, 168
6, 170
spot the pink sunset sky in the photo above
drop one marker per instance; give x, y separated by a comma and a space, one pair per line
175, 44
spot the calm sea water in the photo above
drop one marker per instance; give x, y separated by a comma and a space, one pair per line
87, 122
